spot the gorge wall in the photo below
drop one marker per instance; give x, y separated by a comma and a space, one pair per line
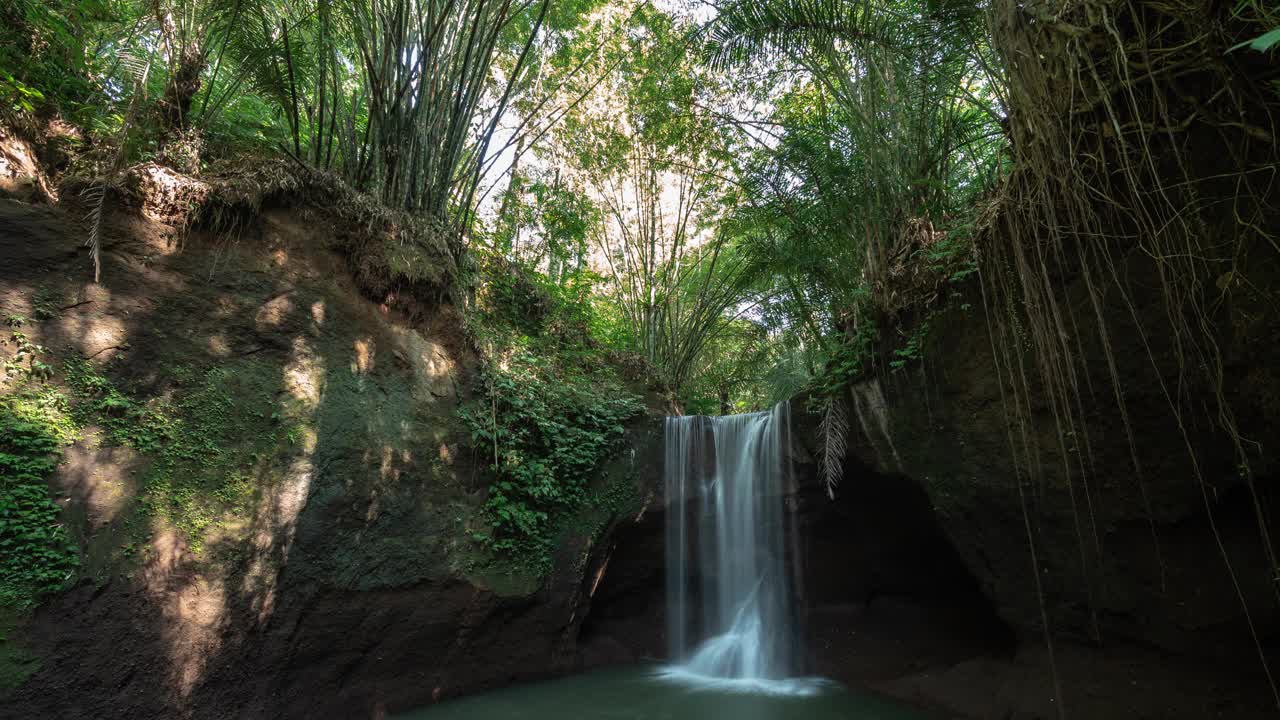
1149, 539
272, 506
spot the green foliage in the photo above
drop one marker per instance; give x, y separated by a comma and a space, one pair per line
36, 554
795, 225
126, 422
27, 359
1259, 13
914, 348
338, 85
952, 256
44, 304
17, 663
1262, 43
730, 374
849, 359
546, 222
44, 62
548, 430
547, 413
16, 95
887, 130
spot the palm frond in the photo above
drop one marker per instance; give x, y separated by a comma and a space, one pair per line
747, 30
834, 429
96, 194
95, 197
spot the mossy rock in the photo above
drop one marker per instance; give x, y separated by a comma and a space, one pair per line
17, 663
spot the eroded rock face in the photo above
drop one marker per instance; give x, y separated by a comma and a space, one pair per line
1111, 562
338, 585
21, 175
338, 590
1129, 524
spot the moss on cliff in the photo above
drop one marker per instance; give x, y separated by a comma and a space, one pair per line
209, 440
17, 663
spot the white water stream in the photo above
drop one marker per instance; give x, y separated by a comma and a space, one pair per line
729, 609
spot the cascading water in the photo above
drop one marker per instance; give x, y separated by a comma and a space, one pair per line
728, 601
727, 581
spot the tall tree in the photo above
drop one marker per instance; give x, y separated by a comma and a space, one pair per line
656, 164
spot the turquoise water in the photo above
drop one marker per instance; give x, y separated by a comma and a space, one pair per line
640, 694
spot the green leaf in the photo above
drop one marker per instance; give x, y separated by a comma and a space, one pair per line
1262, 43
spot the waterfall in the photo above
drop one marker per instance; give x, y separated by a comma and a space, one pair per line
729, 614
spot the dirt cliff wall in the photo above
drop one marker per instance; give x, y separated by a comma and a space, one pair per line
272, 494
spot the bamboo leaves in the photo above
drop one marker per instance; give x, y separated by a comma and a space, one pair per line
401, 98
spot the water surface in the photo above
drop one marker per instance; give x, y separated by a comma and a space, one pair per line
639, 693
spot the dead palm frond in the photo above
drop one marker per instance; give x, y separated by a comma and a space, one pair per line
834, 429
96, 195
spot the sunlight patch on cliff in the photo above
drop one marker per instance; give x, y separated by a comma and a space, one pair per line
873, 418
192, 607
275, 522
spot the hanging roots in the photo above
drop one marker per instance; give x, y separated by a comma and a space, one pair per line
1139, 137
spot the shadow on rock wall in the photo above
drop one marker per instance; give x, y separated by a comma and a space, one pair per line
295, 543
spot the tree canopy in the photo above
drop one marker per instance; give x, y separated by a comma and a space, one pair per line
742, 193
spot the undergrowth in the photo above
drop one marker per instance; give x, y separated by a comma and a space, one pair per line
37, 555
548, 411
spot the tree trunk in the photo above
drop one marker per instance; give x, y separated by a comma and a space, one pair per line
179, 145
